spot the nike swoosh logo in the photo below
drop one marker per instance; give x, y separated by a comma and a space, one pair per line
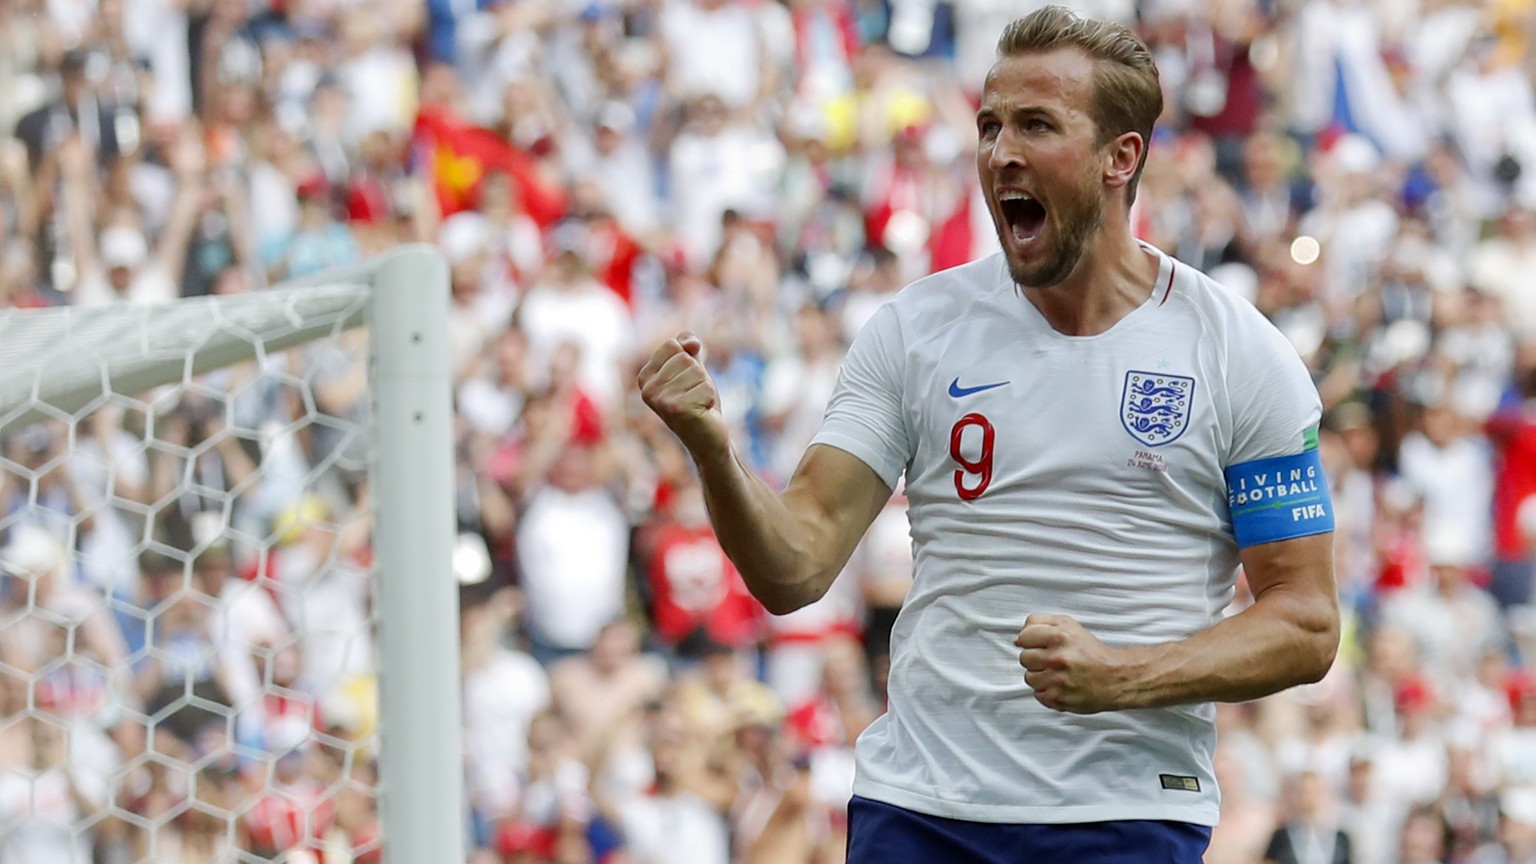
957, 391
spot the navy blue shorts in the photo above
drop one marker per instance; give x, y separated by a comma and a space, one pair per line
880, 833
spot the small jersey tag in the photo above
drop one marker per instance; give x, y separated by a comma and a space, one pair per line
1180, 783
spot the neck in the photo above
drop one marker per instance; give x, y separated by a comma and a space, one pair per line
1112, 279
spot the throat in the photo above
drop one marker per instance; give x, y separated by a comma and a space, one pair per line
1091, 302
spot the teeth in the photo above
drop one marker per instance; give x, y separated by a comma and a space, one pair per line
1015, 196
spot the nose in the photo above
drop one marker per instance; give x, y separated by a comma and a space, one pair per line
1007, 151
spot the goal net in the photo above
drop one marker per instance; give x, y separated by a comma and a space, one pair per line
227, 620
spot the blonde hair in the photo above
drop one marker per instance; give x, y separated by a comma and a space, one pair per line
1127, 95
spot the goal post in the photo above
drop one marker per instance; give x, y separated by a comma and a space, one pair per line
62, 365
420, 756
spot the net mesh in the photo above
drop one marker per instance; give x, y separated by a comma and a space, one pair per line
187, 668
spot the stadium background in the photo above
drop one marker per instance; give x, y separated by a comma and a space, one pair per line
602, 174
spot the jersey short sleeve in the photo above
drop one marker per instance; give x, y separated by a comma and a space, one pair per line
1275, 486
1274, 402
865, 416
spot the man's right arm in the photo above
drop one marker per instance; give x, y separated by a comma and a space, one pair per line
788, 546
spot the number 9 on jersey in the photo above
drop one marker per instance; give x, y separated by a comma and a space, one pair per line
975, 475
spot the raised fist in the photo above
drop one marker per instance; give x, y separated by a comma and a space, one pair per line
675, 385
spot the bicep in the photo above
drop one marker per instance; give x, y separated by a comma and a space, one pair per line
1301, 567
835, 495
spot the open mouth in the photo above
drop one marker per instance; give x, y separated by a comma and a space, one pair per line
1025, 215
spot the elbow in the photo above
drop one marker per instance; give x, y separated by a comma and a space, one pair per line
785, 601
785, 598
777, 606
1321, 647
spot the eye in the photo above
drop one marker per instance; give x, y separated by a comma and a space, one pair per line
988, 128
1036, 124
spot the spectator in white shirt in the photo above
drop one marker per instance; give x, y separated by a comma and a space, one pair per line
620, 165
504, 689
1451, 468
44, 799
572, 549
713, 47
117, 266
717, 164
572, 307
243, 620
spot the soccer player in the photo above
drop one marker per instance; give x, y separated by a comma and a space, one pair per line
1094, 437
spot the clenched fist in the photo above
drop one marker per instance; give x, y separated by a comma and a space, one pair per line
675, 385
1068, 667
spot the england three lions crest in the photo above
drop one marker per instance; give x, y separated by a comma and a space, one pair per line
1155, 407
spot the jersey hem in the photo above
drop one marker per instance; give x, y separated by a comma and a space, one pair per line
1206, 814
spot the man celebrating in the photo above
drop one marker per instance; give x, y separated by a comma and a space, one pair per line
1094, 436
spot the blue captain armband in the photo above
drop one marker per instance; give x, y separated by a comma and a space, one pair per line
1279, 498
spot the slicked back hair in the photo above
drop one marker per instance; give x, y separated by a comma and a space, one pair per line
1127, 95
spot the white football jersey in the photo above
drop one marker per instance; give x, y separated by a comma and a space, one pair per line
1057, 474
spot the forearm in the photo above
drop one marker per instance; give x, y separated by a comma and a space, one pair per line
79, 216
176, 236
771, 545
237, 209
1284, 639
788, 547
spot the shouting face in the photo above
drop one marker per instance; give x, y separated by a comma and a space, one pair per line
1041, 162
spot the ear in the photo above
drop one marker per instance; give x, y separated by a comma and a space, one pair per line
1121, 156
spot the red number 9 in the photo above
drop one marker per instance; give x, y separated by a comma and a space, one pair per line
981, 467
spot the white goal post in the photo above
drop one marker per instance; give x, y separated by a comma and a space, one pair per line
62, 364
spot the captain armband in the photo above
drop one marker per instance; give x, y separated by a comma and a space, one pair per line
1279, 498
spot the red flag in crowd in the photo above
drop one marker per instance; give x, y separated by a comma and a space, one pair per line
458, 155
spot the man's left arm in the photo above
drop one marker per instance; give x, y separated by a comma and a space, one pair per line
1282, 522
1289, 636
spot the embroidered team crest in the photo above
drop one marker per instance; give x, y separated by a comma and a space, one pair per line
1155, 407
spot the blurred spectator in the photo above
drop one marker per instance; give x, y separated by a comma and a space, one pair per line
719, 162
882, 564
504, 690
571, 308
44, 798
672, 820
602, 694
243, 625
318, 240
185, 679
796, 387
1517, 831
323, 589
1367, 814
696, 595
1423, 838
1312, 832
76, 111
116, 266
601, 176
572, 543
1451, 620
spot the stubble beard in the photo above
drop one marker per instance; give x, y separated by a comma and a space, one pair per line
1072, 226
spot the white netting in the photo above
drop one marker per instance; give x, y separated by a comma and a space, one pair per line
186, 632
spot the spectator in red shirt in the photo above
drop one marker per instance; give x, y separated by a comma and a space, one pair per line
1512, 430
696, 593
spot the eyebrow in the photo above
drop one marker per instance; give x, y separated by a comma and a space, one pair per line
1015, 112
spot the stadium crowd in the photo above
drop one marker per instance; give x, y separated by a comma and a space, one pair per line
601, 174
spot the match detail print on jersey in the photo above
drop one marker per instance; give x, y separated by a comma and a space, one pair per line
1154, 406
1279, 498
